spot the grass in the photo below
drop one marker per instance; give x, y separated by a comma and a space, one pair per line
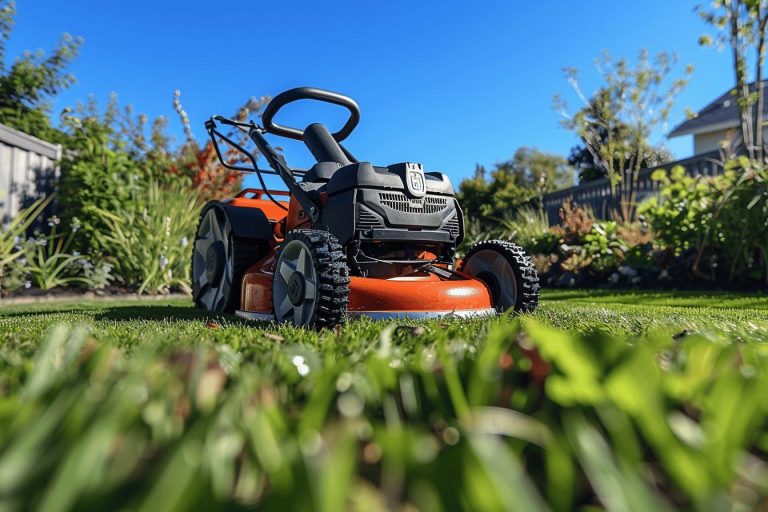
624, 401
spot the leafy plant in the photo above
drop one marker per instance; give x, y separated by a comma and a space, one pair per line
722, 220
13, 233
146, 239
49, 261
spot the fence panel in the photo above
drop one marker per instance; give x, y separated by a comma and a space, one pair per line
28, 170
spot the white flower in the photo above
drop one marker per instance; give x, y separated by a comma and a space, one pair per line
184, 242
301, 366
54, 221
27, 284
76, 254
163, 262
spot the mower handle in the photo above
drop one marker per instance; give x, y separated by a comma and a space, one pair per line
309, 93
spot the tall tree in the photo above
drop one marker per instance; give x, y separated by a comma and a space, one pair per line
27, 85
616, 123
742, 25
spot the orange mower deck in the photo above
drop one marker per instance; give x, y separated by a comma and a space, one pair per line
380, 298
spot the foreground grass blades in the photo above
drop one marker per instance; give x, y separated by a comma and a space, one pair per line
594, 401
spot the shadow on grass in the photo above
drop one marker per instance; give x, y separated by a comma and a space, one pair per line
127, 313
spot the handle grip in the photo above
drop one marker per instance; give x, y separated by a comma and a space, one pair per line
309, 93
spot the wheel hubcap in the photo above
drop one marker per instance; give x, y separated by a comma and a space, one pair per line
295, 286
215, 259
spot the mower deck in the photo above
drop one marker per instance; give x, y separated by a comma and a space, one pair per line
418, 297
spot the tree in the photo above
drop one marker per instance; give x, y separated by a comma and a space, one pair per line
581, 157
742, 25
528, 175
27, 84
617, 122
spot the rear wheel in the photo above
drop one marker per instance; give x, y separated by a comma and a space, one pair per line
310, 286
219, 261
507, 271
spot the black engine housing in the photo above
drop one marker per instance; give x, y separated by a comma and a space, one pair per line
390, 213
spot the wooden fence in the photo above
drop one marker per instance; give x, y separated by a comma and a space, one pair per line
28, 170
597, 194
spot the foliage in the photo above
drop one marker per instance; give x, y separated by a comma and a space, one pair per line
679, 216
581, 159
483, 415
200, 161
722, 219
147, 239
617, 122
14, 231
26, 85
48, 260
107, 167
742, 25
514, 183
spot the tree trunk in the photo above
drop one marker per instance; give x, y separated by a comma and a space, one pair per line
759, 86
742, 87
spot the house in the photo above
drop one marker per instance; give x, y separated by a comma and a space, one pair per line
718, 124
28, 170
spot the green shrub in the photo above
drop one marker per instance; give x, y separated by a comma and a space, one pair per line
13, 233
679, 216
49, 261
722, 219
147, 238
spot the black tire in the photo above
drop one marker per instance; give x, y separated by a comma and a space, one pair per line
331, 274
522, 295
240, 253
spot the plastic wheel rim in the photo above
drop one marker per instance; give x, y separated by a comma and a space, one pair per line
295, 258
212, 231
489, 262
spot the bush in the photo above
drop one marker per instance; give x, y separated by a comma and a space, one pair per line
147, 239
719, 221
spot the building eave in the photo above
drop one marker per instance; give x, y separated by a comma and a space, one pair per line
724, 125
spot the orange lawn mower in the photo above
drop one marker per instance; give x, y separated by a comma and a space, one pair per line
347, 238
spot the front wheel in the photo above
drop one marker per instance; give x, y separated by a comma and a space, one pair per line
310, 286
507, 271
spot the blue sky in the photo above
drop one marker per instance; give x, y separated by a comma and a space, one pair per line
449, 84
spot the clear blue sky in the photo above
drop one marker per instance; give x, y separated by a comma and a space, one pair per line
449, 84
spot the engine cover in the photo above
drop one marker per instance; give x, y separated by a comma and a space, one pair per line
397, 203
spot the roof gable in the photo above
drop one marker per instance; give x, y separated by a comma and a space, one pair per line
721, 113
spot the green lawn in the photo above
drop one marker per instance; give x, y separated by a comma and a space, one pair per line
623, 401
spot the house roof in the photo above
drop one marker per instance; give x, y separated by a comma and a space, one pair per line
721, 113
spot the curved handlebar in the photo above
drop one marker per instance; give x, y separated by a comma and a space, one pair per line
309, 93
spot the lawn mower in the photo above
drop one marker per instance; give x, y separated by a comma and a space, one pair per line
346, 238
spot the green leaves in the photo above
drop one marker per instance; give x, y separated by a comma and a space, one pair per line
149, 240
